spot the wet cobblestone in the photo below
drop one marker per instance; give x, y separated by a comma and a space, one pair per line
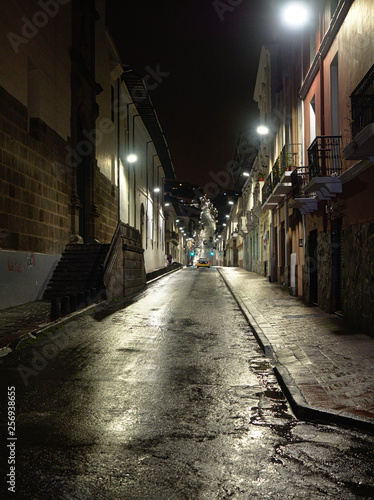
329, 362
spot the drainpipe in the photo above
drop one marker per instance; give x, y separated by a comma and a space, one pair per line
147, 191
278, 238
303, 217
118, 154
134, 170
322, 92
285, 232
128, 165
271, 243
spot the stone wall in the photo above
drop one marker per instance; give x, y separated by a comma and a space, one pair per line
134, 276
324, 271
106, 198
34, 192
124, 274
358, 276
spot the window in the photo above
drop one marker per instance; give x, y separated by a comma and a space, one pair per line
312, 111
334, 91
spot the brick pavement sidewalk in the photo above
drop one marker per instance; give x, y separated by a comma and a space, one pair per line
325, 368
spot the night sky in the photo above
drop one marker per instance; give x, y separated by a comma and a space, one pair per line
207, 59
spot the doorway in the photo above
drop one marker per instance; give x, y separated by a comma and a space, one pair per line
313, 267
336, 258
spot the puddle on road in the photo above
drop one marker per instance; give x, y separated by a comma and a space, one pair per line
272, 409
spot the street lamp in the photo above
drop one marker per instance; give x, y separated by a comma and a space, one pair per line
295, 14
132, 158
262, 130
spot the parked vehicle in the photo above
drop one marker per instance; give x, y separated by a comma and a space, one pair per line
203, 263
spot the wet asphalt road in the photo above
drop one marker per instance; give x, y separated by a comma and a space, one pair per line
169, 398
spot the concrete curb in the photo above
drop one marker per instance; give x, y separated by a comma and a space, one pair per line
165, 274
299, 405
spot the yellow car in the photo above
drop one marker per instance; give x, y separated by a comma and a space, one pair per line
203, 263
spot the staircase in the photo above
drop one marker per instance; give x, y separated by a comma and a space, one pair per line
81, 268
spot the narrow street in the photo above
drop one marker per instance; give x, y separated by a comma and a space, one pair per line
169, 398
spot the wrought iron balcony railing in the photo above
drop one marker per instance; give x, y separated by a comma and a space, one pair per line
362, 102
324, 156
252, 217
299, 179
172, 235
289, 158
267, 188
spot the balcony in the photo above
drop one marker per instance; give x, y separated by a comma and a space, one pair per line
362, 104
172, 237
278, 184
325, 167
299, 179
253, 217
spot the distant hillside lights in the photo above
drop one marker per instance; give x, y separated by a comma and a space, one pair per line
40, 19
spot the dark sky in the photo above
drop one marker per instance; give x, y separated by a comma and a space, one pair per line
208, 59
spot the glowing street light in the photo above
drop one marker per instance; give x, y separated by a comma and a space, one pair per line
262, 130
132, 158
295, 14
156, 190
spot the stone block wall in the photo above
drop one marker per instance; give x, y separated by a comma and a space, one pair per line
134, 276
324, 264
358, 276
34, 192
106, 199
124, 274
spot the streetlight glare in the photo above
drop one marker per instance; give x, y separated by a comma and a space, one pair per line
156, 190
262, 130
132, 158
295, 14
